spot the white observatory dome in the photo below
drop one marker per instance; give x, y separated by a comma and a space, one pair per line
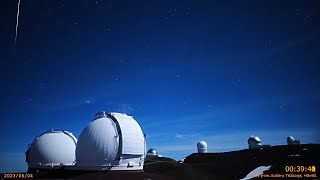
152, 152
112, 140
290, 140
52, 148
254, 142
202, 147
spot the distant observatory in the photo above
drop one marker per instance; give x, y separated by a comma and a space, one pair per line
202, 147
292, 141
52, 149
152, 152
112, 141
254, 142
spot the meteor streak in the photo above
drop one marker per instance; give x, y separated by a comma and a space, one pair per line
17, 24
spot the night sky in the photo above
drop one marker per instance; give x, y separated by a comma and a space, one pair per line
186, 70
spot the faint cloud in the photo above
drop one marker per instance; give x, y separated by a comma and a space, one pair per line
99, 96
288, 45
112, 106
28, 100
64, 105
180, 136
125, 108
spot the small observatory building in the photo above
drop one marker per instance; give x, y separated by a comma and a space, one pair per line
53, 149
111, 141
292, 141
152, 152
202, 147
254, 142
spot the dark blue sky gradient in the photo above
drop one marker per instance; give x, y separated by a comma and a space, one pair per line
186, 70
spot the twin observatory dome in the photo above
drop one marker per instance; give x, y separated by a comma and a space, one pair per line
111, 141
